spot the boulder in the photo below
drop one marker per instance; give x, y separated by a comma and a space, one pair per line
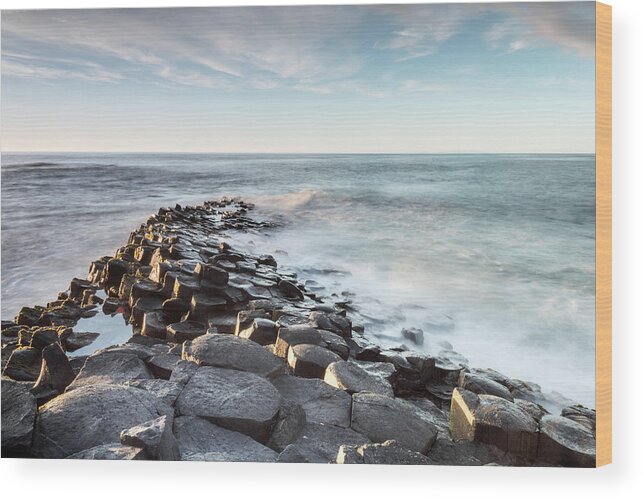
184, 287
154, 325
383, 418
23, 364
18, 417
290, 424
200, 440
245, 317
232, 352
310, 361
183, 372
236, 400
290, 290
332, 322
351, 378
335, 343
90, 416
389, 452
414, 334
162, 365
582, 415
110, 452
295, 334
110, 368
564, 442
155, 438
212, 273
56, 372
321, 402
483, 386
493, 420
262, 331
320, 443
44, 336
167, 391
173, 309
184, 331
202, 305
77, 340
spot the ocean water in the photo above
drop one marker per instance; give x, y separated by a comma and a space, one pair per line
491, 254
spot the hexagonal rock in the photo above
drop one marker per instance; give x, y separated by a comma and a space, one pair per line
110, 368
290, 290
564, 442
155, 438
162, 365
91, 416
483, 386
232, 352
310, 361
321, 402
262, 331
111, 452
493, 420
200, 440
154, 325
235, 400
332, 322
18, 416
335, 343
184, 287
295, 334
389, 452
184, 331
351, 378
383, 418
289, 425
203, 304
212, 273
319, 443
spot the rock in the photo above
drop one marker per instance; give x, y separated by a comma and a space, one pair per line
110, 452
335, 343
55, 372
416, 335
262, 331
564, 442
173, 309
493, 420
534, 410
28, 316
321, 402
114, 271
166, 390
310, 361
320, 443
295, 335
332, 322
235, 400
267, 260
483, 386
18, 417
144, 306
223, 323
202, 305
77, 340
245, 318
184, 287
290, 290
183, 372
154, 325
112, 368
289, 426
91, 416
184, 331
383, 418
582, 415
212, 273
163, 364
232, 352
200, 440
389, 452
351, 378
23, 364
44, 336
155, 438
384, 371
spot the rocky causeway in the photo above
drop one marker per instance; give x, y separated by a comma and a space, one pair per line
232, 358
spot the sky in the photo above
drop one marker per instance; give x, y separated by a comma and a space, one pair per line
431, 78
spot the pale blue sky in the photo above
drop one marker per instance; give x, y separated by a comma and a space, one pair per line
414, 78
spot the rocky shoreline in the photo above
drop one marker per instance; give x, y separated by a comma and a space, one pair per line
232, 359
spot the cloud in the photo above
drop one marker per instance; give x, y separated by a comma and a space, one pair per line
25, 66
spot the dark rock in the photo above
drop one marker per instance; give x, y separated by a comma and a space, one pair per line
77, 340
91, 416
320, 443
162, 365
564, 442
23, 364
154, 325
289, 426
335, 343
483, 386
179, 332
202, 305
295, 335
212, 273
267, 260
28, 316
183, 372
384, 418
110, 452
416, 335
389, 452
582, 415
232, 352
235, 400
110, 367
18, 417
43, 336
290, 290
185, 287
224, 323
166, 390
155, 438
332, 322
55, 372
245, 318
351, 378
200, 440
114, 271
310, 361
262, 331
321, 402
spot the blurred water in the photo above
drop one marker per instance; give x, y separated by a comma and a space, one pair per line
492, 253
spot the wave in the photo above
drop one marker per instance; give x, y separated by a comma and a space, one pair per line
303, 199
49, 164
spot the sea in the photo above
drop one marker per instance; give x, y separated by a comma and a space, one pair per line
492, 256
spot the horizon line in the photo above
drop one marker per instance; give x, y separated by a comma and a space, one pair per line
299, 153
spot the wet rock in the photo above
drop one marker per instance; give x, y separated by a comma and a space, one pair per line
185, 287
414, 334
200, 440
582, 415
335, 343
105, 367
267, 260
235, 400
23, 364
232, 352
115, 269
310, 361
351, 378
212, 273
289, 426
202, 305
77, 287
91, 416
295, 335
28, 316
224, 323
43, 336
290, 290
162, 365
144, 306
534, 410
493, 420
262, 331
77, 340
385, 371
389, 452
483, 386
154, 325
245, 318
321, 402
564, 442
18, 417
179, 332
320, 443
155, 437
332, 322
55, 372
384, 418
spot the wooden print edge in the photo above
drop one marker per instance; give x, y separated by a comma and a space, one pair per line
603, 234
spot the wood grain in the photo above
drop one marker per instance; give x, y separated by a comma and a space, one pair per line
603, 234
